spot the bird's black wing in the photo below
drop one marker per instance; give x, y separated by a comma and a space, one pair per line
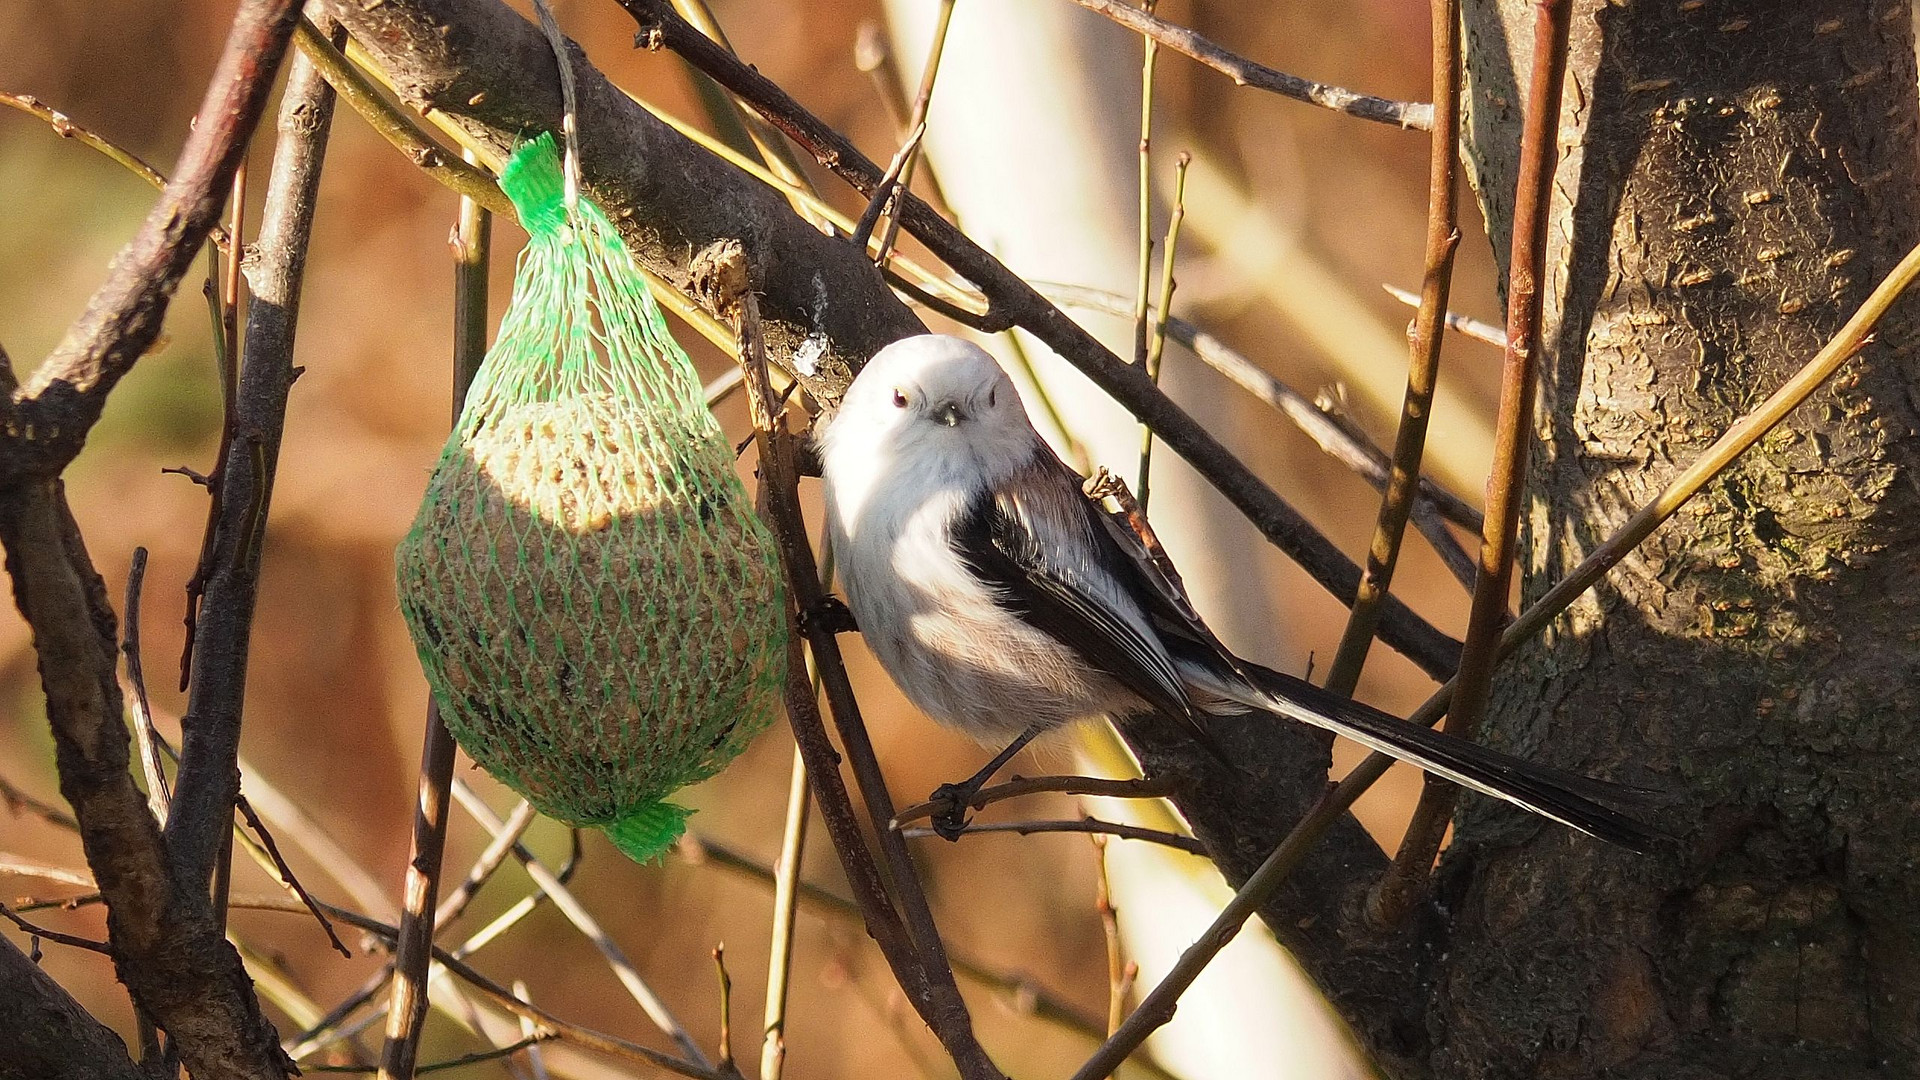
1028, 545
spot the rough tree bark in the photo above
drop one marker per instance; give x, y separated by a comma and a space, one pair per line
1733, 180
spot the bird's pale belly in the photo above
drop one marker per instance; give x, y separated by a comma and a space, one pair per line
970, 674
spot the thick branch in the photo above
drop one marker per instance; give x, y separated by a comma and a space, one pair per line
47, 1035
491, 73
167, 946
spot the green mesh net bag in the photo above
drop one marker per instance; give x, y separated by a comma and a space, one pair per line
598, 608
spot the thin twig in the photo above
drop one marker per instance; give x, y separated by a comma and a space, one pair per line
526, 1043
500, 995
18, 800
399, 131
55, 936
1406, 879
482, 871
287, 877
569, 107
1423, 367
583, 920
889, 183
919, 964
1464, 325
1110, 931
14, 864
1137, 788
146, 736
1341, 441
1020, 992
917, 121
328, 1030
723, 1060
773, 148
1015, 298
1145, 270
407, 1005
225, 288
1082, 825
1416, 116
1158, 343
63, 126
1157, 1007
786, 900
536, 1062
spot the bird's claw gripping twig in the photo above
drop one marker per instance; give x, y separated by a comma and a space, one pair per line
829, 614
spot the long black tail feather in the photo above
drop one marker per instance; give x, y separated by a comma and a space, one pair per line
1595, 807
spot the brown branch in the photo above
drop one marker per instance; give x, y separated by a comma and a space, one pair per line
489, 73
166, 942
1014, 297
55, 936
1539, 152
1148, 788
1338, 438
64, 397
208, 781
407, 1005
1423, 368
287, 877
1464, 325
1089, 825
911, 945
47, 1034
1416, 116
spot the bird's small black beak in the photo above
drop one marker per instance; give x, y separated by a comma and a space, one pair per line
950, 414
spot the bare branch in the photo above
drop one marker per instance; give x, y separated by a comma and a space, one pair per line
66, 393
166, 942
1014, 298
47, 1034
1417, 116
208, 782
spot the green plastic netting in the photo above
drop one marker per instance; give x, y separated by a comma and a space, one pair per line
597, 606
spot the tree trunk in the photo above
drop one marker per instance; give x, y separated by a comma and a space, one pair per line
1734, 179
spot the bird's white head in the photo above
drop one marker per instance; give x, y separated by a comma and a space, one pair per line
933, 397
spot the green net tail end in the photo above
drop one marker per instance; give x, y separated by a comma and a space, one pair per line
645, 834
532, 179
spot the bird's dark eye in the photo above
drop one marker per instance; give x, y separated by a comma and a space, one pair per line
899, 400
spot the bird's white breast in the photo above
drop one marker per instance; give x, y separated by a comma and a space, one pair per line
952, 649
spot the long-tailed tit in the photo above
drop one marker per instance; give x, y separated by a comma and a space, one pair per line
1006, 604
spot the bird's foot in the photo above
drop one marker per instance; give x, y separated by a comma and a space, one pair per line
829, 614
953, 800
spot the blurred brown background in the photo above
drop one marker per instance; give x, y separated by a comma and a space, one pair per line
335, 700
